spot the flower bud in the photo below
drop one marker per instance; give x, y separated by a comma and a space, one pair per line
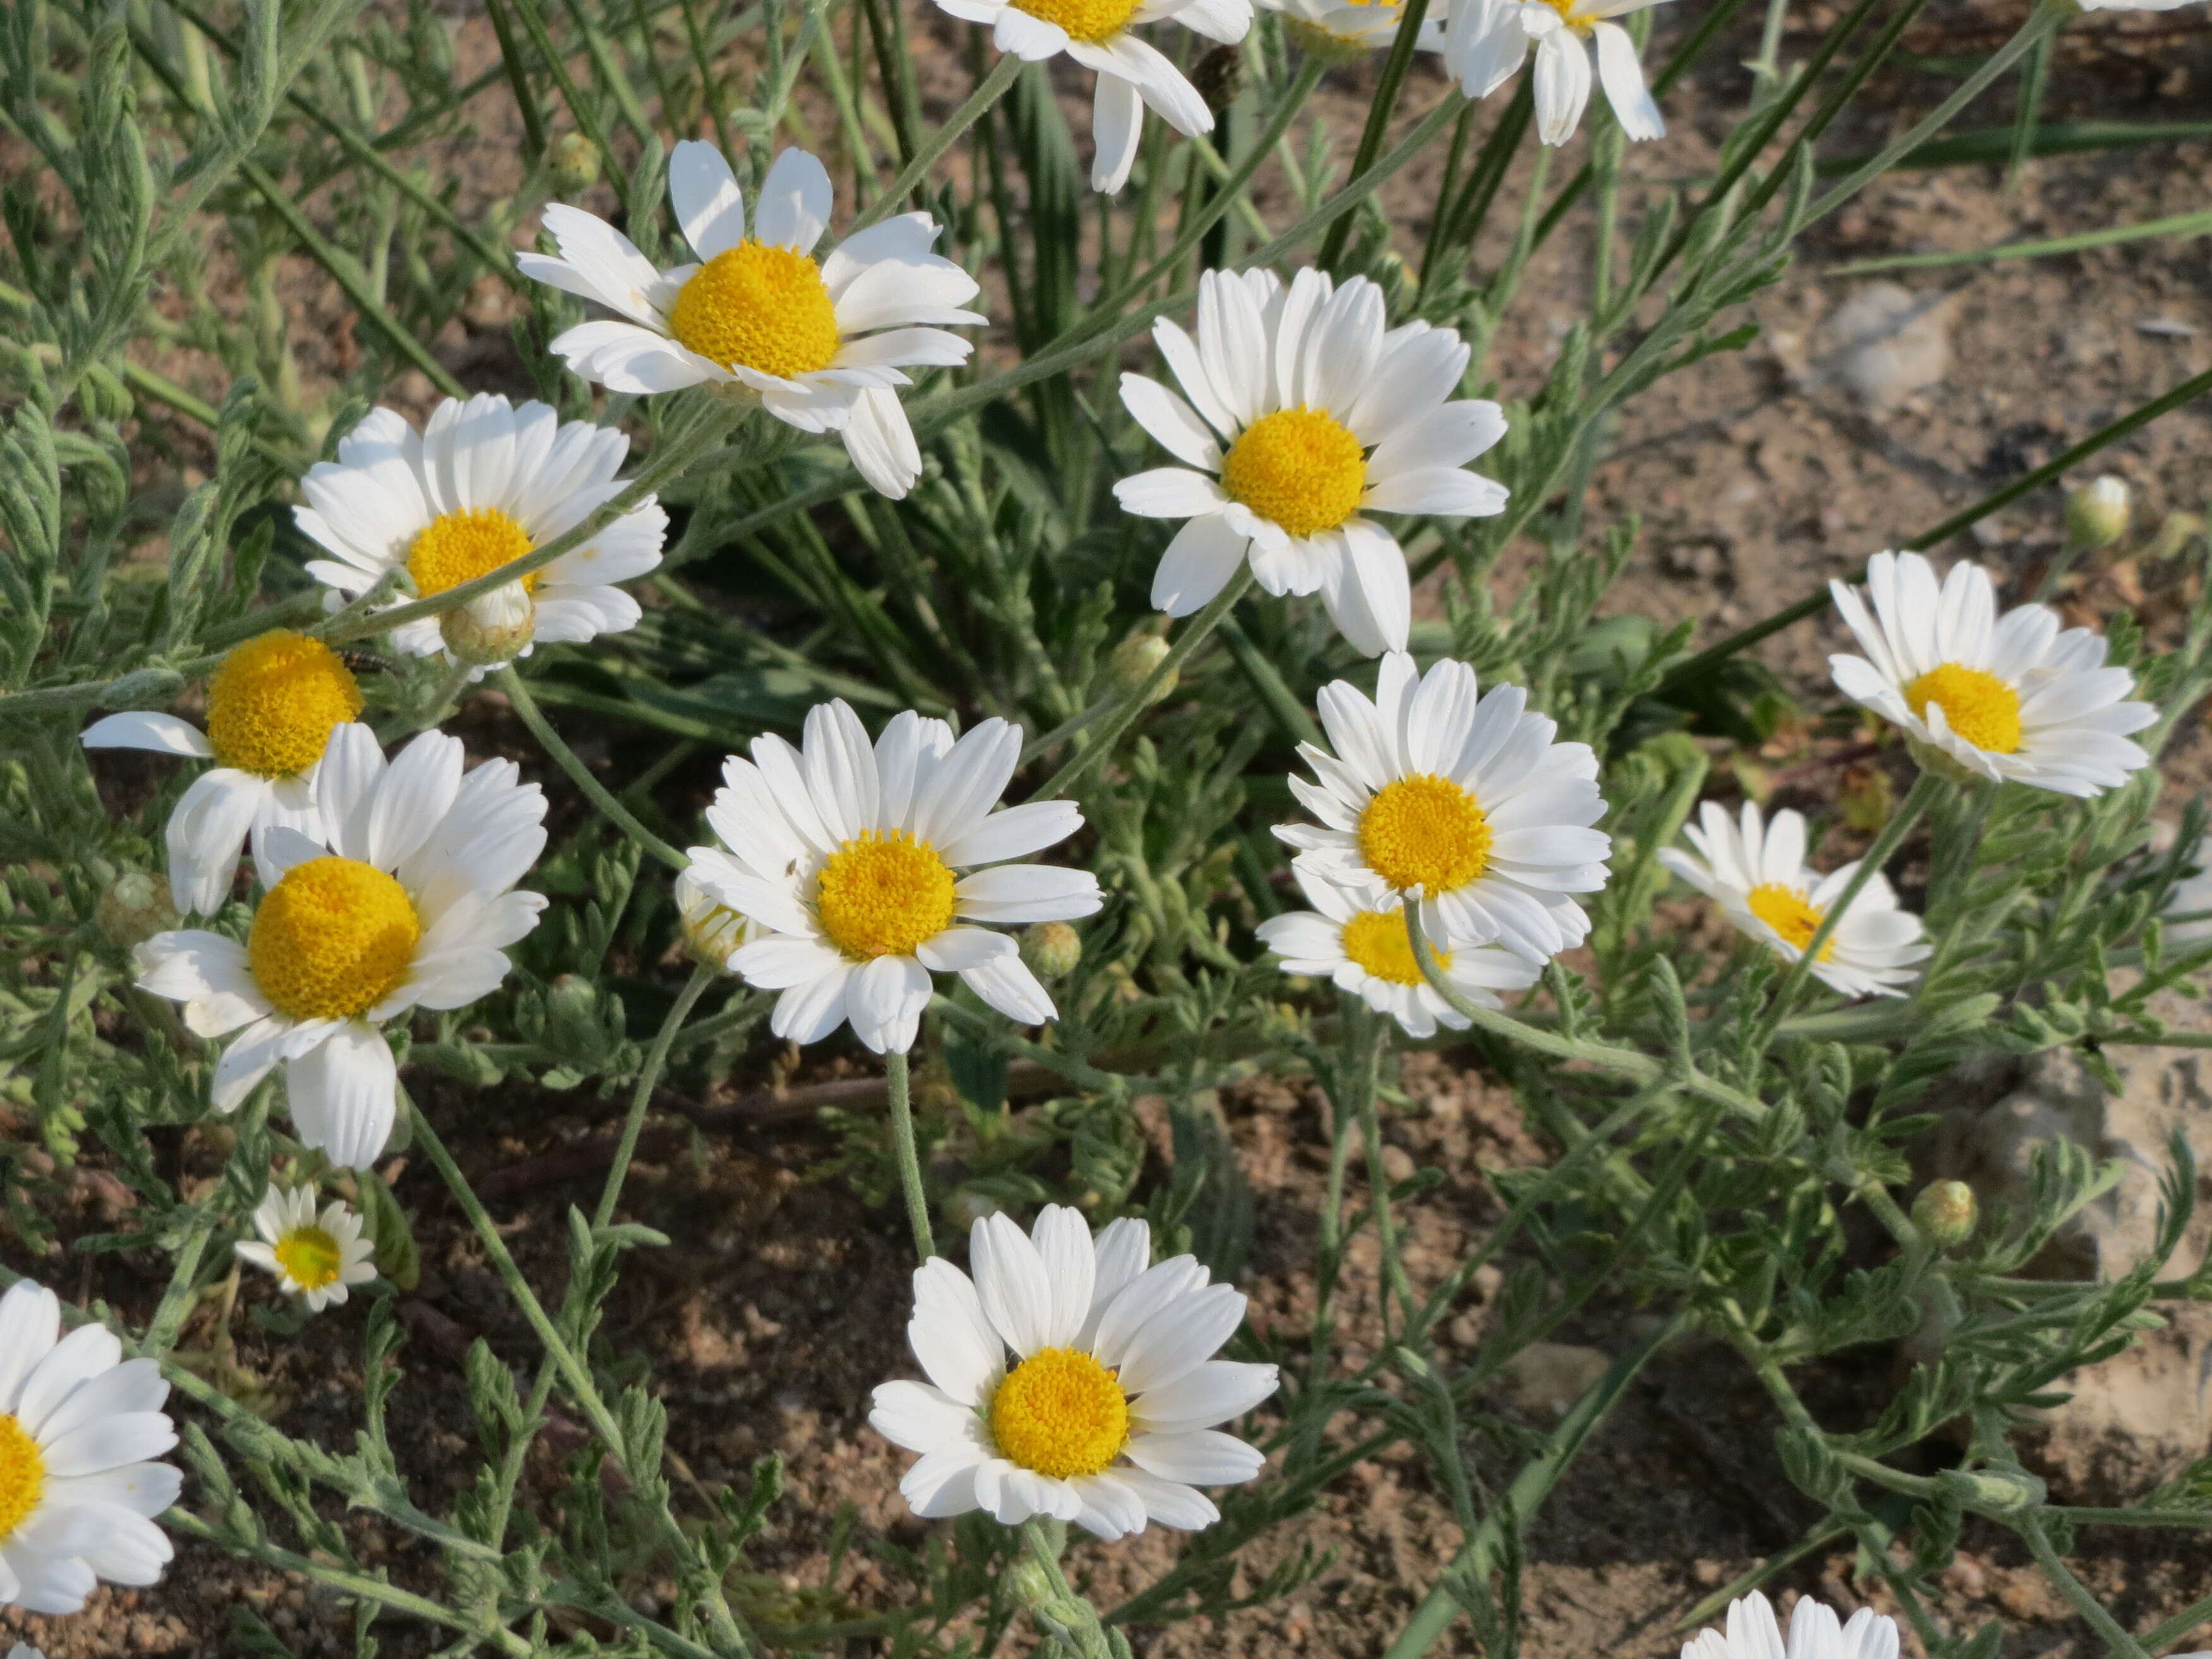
136, 907
493, 629
574, 160
966, 1206
712, 931
1132, 663
1945, 1213
1051, 949
2097, 514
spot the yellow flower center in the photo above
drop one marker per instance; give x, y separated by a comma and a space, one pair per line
1976, 704
881, 895
1060, 1413
759, 307
1091, 21
310, 1257
1424, 831
331, 938
1299, 468
1580, 23
1379, 942
273, 701
1789, 912
459, 547
22, 1474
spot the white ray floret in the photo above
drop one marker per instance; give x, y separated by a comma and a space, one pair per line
2009, 698
1486, 42
864, 868
1755, 870
1301, 416
1815, 1632
404, 902
80, 1428
1460, 802
1071, 1379
316, 1258
824, 345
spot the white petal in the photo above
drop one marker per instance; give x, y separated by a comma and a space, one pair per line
950, 1334
1173, 423
795, 202
1117, 122
1182, 1338
705, 195
1169, 492
1622, 78
164, 734
1006, 983
1062, 1238
1011, 1284
350, 1085
1197, 562
1216, 1392
1027, 892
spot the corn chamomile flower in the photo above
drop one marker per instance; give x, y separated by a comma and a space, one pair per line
712, 931
1357, 936
80, 1427
481, 485
1465, 804
271, 706
758, 315
1815, 1632
403, 903
1755, 870
2011, 698
1340, 30
1303, 415
1105, 1415
1487, 41
317, 1257
847, 857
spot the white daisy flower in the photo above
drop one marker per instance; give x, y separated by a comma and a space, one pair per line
24, 1650
483, 484
317, 1259
1343, 29
1815, 1632
80, 1427
1357, 936
847, 858
1468, 806
403, 903
1756, 871
759, 315
1487, 41
1131, 73
2138, 5
2009, 699
1305, 415
1105, 1415
712, 931
271, 706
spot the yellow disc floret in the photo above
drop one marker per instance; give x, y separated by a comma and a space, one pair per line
882, 895
1379, 942
1976, 704
22, 1474
459, 547
1790, 913
759, 307
332, 939
1424, 831
1571, 13
1089, 21
310, 1257
1299, 468
1060, 1413
273, 701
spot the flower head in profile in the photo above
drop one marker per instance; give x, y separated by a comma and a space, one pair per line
271, 706
1340, 30
1756, 871
316, 1258
1487, 41
404, 901
713, 932
1357, 936
2009, 699
80, 1427
1070, 1378
824, 344
849, 856
1815, 1632
1131, 73
1462, 803
1301, 415
483, 483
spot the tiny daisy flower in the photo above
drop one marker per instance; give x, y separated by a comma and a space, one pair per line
712, 931
483, 484
1343, 29
317, 1259
1357, 936
271, 706
1131, 73
823, 345
1815, 1632
848, 857
1756, 871
1465, 804
1304, 415
80, 1427
2011, 698
1487, 41
404, 903
1105, 1415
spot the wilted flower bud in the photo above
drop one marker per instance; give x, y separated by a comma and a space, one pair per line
966, 1206
1945, 1212
712, 931
491, 630
2097, 514
1052, 949
135, 908
574, 160
1133, 661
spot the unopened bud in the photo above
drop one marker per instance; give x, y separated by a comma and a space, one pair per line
1132, 663
1052, 949
1945, 1213
491, 630
712, 931
574, 161
2097, 514
1028, 1585
135, 908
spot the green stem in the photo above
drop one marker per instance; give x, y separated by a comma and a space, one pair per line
1380, 109
910, 1158
640, 1100
2116, 1639
565, 758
